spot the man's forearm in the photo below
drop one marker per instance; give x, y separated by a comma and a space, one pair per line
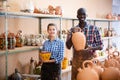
69, 41
69, 44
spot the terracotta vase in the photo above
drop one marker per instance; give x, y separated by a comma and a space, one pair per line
58, 10
87, 73
116, 55
19, 39
111, 61
110, 73
97, 66
109, 16
51, 9
78, 40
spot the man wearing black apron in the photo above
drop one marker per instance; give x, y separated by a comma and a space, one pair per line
93, 42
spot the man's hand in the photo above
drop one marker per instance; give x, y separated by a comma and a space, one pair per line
68, 36
76, 29
89, 48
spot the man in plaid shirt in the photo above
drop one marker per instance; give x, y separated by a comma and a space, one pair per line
93, 42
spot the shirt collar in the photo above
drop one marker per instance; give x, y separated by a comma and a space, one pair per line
56, 39
86, 26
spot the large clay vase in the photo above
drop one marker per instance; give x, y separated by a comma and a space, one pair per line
111, 73
78, 40
87, 73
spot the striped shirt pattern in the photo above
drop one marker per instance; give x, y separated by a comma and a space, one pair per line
56, 47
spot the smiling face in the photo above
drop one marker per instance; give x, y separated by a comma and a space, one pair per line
52, 30
81, 14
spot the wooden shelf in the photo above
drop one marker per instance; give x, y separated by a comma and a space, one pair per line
20, 49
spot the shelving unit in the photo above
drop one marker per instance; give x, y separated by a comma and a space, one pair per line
20, 50
23, 14
109, 25
93, 21
7, 15
40, 17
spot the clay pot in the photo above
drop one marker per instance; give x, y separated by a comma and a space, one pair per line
111, 61
110, 73
19, 40
36, 10
44, 55
109, 16
97, 67
87, 73
58, 10
117, 58
10, 40
51, 9
2, 43
78, 40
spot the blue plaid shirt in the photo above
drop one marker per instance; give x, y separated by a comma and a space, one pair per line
92, 34
56, 48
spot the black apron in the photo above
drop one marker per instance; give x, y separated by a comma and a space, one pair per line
51, 71
78, 58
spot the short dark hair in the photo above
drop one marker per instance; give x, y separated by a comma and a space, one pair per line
51, 24
81, 10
